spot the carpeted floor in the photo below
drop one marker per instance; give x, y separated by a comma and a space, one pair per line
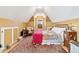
25, 46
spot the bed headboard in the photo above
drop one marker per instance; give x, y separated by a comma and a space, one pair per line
61, 25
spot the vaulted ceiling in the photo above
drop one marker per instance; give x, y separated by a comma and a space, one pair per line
55, 13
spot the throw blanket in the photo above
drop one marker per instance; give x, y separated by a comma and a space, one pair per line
37, 37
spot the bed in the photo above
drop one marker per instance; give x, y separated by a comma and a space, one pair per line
56, 36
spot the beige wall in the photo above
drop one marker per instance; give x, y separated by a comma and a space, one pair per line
49, 23
7, 22
16, 34
8, 32
7, 37
30, 23
0, 35
22, 25
74, 23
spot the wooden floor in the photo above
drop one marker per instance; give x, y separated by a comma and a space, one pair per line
25, 46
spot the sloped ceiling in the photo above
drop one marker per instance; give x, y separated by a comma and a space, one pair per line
62, 13
55, 13
17, 13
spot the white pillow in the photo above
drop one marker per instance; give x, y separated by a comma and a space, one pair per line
58, 30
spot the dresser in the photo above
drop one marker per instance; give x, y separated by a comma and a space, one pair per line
69, 35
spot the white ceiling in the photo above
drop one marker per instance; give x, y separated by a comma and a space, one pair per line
55, 13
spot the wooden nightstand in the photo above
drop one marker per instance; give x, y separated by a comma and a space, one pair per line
69, 35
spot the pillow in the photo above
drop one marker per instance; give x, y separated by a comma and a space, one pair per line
53, 35
44, 32
58, 30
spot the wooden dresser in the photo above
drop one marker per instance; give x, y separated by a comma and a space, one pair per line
69, 35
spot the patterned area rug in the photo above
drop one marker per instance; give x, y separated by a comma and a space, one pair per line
25, 46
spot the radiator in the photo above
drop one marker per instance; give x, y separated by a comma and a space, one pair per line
74, 48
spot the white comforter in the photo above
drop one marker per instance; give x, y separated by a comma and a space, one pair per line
57, 37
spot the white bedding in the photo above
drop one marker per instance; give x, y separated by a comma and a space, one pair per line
58, 37
59, 32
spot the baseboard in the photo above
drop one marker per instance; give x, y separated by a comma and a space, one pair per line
12, 46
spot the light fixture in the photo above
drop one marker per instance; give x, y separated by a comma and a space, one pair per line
39, 7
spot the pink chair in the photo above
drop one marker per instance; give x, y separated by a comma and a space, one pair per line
37, 37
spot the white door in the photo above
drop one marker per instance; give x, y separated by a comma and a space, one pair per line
2, 39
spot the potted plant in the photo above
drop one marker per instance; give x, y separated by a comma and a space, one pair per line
7, 46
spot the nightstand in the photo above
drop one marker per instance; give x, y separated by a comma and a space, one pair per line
69, 35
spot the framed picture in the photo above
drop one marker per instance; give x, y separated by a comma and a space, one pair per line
39, 25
